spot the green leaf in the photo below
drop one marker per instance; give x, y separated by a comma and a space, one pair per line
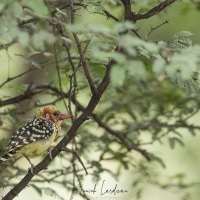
52, 193
41, 38
136, 69
118, 57
37, 189
159, 66
39, 7
159, 160
23, 39
173, 141
117, 75
182, 39
123, 26
192, 131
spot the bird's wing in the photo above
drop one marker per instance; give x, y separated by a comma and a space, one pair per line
33, 130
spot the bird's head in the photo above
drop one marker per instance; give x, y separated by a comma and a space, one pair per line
52, 113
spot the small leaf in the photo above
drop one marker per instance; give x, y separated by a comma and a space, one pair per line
173, 141
159, 66
37, 189
39, 7
117, 75
136, 69
182, 39
123, 26
23, 39
192, 131
159, 160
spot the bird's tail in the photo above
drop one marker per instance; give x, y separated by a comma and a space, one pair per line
6, 157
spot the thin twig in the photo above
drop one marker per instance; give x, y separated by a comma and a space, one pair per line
79, 64
84, 64
82, 56
154, 28
155, 10
109, 15
57, 69
76, 155
136, 33
17, 76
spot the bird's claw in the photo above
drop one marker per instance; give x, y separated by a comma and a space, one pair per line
31, 168
49, 152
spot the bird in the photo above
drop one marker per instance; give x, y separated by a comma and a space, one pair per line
36, 135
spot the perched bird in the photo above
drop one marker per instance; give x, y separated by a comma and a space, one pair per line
36, 135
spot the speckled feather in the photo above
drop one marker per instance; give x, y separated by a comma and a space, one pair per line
33, 130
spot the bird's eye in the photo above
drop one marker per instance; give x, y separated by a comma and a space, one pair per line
55, 114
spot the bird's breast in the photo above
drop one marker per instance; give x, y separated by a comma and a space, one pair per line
39, 147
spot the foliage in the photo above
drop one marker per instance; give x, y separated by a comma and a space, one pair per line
153, 88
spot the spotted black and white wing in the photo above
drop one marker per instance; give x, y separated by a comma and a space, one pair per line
33, 130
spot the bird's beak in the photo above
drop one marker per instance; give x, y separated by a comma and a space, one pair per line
64, 116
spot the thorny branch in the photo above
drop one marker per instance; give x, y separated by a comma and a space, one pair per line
81, 53
84, 64
154, 28
9, 79
153, 11
130, 15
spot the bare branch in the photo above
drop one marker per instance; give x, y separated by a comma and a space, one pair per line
82, 56
155, 10
17, 76
154, 28
109, 15
129, 15
27, 95
127, 8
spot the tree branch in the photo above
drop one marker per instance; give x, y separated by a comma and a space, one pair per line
129, 15
27, 95
17, 76
109, 15
67, 138
154, 28
127, 8
154, 10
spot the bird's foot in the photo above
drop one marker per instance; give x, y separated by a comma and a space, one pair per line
31, 168
32, 165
